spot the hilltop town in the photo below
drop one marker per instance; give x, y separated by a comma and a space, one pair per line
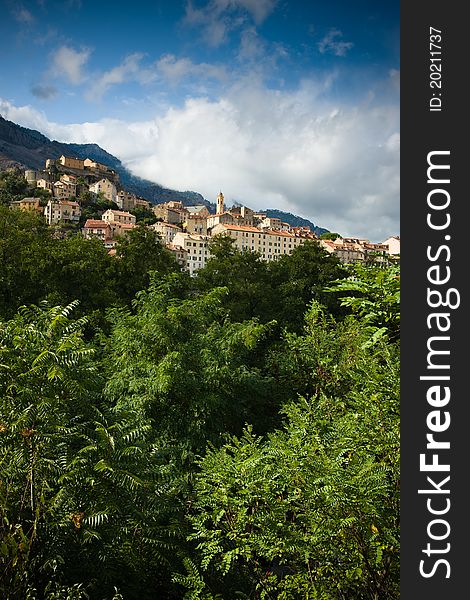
71, 186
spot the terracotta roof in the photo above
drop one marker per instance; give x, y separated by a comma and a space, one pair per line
284, 233
96, 223
241, 228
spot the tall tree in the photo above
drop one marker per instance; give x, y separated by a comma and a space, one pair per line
83, 493
194, 372
311, 511
25, 247
302, 277
138, 253
244, 274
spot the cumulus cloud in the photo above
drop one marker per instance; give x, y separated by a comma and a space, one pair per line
258, 9
68, 62
44, 92
337, 165
332, 43
26, 116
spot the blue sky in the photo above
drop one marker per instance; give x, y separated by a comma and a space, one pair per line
281, 104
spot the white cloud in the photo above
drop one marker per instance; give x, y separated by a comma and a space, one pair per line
332, 43
69, 63
174, 69
394, 75
168, 68
337, 165
26, 116
258, 9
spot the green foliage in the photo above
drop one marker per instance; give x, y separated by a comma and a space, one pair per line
311, 511
195, 373
374, 296
13, 186
93, 205
138, 253
83, 492
329, 235
34, 265
144, 215
83, 270
244, 274
302, 277
25, 243
194, 438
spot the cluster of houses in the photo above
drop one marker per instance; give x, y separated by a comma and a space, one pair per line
66, 178
185, 230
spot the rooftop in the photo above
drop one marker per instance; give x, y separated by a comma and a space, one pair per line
96, 223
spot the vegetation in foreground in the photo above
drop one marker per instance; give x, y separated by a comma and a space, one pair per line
232, 435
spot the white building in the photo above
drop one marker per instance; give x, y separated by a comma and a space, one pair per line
393, 244
62, 210
196, 248
269, 243
118, 216
64, 189
96, 228
166, 230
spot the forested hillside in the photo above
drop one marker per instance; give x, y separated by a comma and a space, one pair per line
226, 436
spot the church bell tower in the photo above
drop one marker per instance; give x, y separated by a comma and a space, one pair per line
220, 203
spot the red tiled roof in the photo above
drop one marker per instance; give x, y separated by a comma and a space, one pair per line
242, 228
96, 223
284, 233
